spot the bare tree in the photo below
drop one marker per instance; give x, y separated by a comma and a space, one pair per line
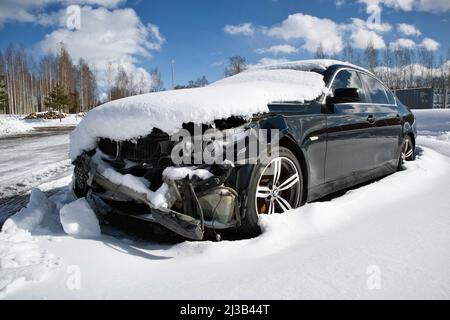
371, 57
319, 54
236, 64
121, 85
109, 78
156, 82
348, 53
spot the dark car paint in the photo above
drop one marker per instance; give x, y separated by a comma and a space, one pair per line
337, 145
352, 143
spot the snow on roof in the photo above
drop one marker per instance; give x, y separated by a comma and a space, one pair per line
306, 65
242, 95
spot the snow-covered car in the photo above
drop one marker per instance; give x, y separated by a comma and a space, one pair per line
331, 125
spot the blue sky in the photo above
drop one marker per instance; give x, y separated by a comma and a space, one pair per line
194, 33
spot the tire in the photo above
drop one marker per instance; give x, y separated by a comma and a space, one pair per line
266, 198
407, 153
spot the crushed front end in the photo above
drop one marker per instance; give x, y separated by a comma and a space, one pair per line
138, 177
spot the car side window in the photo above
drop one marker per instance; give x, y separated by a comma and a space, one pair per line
349, 79
390, 95
375, 90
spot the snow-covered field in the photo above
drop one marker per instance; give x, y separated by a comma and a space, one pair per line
388, 239
15, 124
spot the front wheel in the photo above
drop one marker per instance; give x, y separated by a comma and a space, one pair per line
276, 186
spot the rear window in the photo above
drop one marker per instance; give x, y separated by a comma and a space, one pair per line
376, 90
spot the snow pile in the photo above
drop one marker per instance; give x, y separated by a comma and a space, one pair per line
434, 129
242, 95
179, 173
15, 124
32, 215
78, 219
20, 256
323, 250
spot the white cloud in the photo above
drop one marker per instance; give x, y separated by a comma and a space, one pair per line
361, 36
433, 5
430, 44
408, 5
218, 63
33, 10
408, 29
380, 27
339, 3
282, 48
268, 61
402, 43
312, 30
117, 36
242, 29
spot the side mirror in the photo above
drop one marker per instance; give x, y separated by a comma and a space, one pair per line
344, 95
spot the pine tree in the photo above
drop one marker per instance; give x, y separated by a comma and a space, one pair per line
57, 100
3, 94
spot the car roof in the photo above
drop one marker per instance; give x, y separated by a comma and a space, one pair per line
315, 65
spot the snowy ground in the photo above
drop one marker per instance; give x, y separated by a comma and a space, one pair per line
15, 124
30, 160
387, 239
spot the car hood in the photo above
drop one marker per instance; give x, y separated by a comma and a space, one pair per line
243, 95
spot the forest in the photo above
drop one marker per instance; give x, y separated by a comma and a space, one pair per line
55, 81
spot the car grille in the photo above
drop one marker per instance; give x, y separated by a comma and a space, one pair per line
150, 147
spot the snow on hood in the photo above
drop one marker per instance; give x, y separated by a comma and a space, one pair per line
242, 95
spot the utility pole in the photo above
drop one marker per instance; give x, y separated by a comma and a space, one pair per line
173, 73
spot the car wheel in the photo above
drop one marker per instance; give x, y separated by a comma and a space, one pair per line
408, 150
407, 153
276, 186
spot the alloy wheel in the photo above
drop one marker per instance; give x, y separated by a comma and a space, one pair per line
408, 150
279, 187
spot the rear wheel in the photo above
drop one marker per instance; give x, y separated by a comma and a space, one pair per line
407, 153
276, 187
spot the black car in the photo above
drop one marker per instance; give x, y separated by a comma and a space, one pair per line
356, 133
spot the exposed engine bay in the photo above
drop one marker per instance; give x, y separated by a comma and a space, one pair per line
140, 175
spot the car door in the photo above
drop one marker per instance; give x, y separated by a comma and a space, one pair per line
388, 122
350, 136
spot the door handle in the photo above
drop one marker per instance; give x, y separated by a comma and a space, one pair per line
371, 119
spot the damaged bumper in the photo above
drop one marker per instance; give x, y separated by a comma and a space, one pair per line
191, 204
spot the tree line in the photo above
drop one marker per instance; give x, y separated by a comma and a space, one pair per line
399, 67
56, 82
26, 85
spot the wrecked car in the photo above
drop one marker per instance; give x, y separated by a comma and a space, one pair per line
264, 141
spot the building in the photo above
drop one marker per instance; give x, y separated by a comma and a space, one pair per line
424, 98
